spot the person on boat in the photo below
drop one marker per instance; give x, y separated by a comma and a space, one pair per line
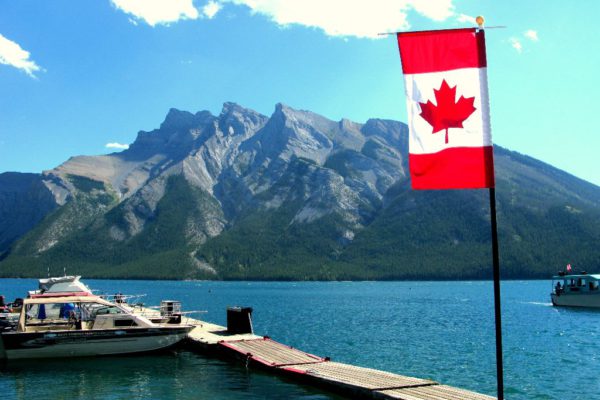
65, 310
74, 319
16, 305
558, 288
3, 305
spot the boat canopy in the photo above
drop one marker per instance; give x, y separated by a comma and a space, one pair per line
595, 277
67, 299
42, 301
67, 284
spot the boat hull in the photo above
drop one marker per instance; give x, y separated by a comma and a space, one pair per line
591, 300
85, 343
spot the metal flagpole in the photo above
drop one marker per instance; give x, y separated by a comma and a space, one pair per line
497, 308
494, 226
496, 264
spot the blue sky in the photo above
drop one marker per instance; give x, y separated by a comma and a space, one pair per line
76, 76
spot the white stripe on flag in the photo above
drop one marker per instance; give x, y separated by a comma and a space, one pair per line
469, 82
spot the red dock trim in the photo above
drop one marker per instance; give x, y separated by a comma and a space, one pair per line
295, 370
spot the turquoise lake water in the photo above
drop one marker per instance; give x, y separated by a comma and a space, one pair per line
437, 330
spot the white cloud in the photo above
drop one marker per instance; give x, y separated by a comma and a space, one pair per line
115, 145
437, 10
349, 18
12, 54
531, 35
211, 9
155, 12
516, 44
464, 18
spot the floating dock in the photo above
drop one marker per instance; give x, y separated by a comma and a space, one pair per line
345, 379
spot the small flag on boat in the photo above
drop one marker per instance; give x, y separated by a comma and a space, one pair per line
445, 76
568, 267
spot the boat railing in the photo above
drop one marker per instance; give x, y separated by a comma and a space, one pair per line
119, 298
186, 320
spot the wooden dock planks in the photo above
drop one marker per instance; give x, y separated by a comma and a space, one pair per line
366, 382
360, 377
271, 353
433, 392
344, 378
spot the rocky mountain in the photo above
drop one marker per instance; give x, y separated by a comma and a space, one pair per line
24, 201
291, 196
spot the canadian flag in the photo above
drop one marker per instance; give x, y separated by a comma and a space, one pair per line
445, 76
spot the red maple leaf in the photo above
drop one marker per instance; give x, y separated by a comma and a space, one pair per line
447, 113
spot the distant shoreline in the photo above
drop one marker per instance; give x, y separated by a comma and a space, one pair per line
291, 280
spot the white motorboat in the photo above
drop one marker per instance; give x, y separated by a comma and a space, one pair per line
83, 325
576, 290
69, 285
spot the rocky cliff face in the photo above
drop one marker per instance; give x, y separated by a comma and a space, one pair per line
24, 201
242, 195
240, 156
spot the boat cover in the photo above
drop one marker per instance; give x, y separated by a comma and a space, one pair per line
63, 284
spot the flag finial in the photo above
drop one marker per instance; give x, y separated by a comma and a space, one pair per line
480, 20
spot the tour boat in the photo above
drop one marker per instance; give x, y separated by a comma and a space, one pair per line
75, 325
576, 290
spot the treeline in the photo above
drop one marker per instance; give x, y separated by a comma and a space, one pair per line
415, 235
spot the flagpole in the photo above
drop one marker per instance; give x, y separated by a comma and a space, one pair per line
497, 308
461, 49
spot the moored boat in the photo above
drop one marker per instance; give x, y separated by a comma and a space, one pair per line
71, 285
73, 325
576, 290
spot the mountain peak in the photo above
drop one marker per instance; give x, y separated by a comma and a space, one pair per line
316, 121
231, 107
235, 119
177, 119
284, 109
281, 107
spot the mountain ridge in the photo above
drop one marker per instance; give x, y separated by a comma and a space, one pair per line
290, 196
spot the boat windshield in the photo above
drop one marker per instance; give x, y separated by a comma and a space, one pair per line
51, 311
108, 310
575, 283
64, 311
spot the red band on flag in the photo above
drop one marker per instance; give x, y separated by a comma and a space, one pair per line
453, 168
445, 50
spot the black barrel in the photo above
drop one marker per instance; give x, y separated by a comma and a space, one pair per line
239, 320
